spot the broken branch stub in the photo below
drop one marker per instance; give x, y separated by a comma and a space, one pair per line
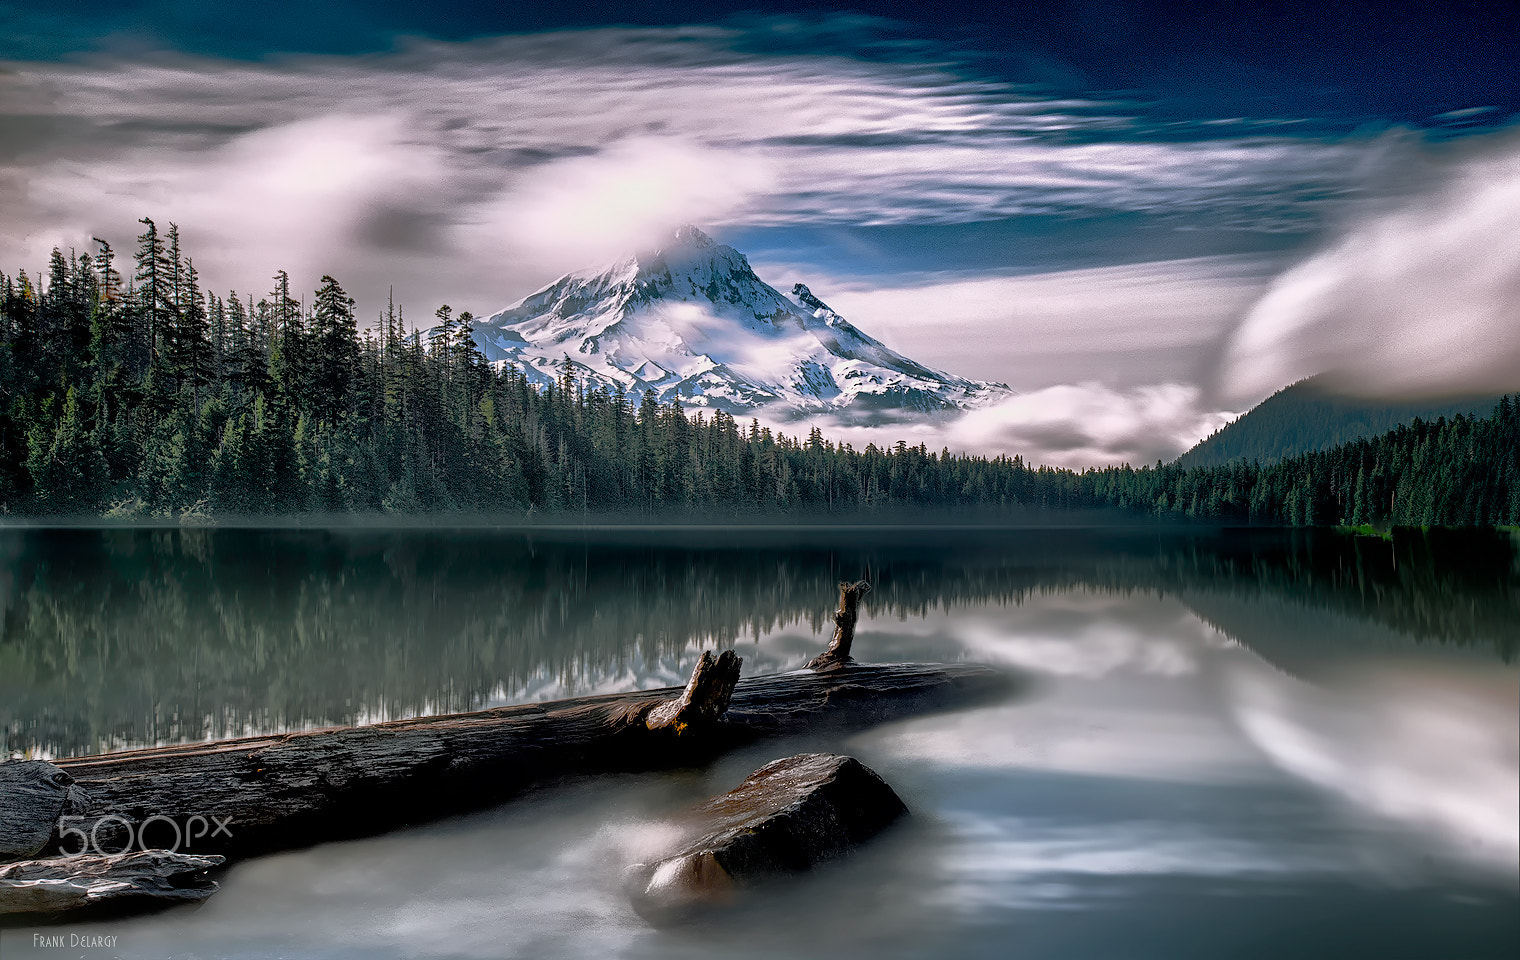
705, 698
838, 653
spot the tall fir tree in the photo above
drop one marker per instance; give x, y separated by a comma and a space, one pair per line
153, 276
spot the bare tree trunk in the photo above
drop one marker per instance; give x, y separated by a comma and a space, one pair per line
706, 697
838, 653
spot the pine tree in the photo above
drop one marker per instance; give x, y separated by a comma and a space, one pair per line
68, 472
192, 355
153, 276
336, 354
289, 351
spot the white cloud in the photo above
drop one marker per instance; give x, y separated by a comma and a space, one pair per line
1042, 329
1070, 425
471, 168
1091, 424
595, 208
1420, 299
292, 195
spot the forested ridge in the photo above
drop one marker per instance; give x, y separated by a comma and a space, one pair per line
1311, 415
147, 397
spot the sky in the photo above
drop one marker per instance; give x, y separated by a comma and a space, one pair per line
1143, 217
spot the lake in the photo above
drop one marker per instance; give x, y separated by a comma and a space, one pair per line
1243, 743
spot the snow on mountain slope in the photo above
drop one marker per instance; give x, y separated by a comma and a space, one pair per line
693, 321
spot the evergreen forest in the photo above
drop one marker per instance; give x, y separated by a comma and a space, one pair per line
144, 397
1312, 415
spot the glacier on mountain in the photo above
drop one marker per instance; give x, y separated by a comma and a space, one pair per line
692, 322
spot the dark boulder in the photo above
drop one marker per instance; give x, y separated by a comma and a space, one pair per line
786, 817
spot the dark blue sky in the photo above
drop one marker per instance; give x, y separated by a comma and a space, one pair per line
1397, 61
1097, 195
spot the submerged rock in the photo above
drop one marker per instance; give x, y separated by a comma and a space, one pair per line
786, 817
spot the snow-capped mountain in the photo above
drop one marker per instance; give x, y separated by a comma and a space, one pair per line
693, 321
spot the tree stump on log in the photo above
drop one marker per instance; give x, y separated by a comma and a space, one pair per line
706, 697
838, 653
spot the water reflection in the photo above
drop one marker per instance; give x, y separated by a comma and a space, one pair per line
1133, 807
1433, 746
113, 638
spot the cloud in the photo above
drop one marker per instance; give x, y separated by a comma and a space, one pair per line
1158, 320
597, 207
1421, 299
485, 168
1070, 425
300, 193
1081, 425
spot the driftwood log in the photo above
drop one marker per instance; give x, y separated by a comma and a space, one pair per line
95, 882
255, 795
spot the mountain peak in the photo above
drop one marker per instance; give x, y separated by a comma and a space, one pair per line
803, 294
686, 245
687, 262
687, 235
692, 321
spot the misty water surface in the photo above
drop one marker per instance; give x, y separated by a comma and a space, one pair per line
1233, 743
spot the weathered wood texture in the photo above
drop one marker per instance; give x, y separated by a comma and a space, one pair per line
268, 793
71, 884
33, 795
705, 698
838, 653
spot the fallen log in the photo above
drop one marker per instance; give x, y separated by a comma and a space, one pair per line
239, 798
147, 824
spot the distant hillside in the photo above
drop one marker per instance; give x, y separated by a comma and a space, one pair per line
1307, 416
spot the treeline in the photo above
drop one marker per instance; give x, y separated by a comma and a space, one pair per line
149, 397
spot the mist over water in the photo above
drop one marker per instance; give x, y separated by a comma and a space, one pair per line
1253, 743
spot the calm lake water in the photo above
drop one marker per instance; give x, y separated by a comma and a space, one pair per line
1231, 744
